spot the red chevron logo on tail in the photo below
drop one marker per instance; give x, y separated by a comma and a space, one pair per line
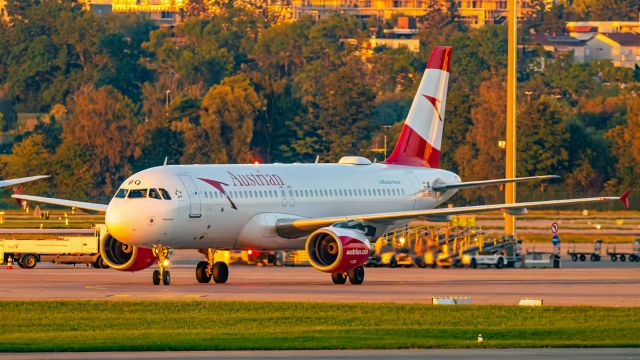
434, 102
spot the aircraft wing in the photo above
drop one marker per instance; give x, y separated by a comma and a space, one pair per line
468, 184
299, 227
10, 182
62, 202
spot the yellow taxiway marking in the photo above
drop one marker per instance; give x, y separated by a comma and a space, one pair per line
95, 287
118, 295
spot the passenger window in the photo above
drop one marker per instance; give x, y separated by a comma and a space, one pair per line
165, 194
121, 194
154, 194
137, 194
206, 195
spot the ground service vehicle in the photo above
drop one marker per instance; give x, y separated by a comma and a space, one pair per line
332, 210
497, 260
62, 250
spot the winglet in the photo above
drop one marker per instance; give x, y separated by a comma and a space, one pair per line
625, 198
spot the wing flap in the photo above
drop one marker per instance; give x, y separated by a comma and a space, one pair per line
62, 202
470, 184
307, 225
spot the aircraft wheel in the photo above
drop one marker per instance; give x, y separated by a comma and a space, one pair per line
574, 257
166, 277
623, 258
583, 257
614, 258
156, 277
356, 276
201, 273
220, 272
338, 278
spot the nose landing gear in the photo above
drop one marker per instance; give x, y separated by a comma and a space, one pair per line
205, 270
162, 253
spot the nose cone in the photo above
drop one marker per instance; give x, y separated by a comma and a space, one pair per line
120, 222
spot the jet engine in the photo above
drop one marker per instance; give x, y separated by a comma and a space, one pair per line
337, 250
123, 257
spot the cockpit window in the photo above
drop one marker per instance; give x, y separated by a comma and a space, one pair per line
154, 194
121, 194
165, 194
137, 193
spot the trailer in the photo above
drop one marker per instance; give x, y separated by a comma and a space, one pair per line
538, 259
595, 255
62, 250
633, 256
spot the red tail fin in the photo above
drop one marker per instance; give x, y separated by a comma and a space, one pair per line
421, 137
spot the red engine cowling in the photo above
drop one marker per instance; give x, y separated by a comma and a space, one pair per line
123, 257
336, 250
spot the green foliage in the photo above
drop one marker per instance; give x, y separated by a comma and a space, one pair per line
29, 326
238, 85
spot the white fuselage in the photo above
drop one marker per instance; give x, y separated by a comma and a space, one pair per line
237, 206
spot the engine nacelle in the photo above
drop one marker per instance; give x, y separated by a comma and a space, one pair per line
334, 250
123, 257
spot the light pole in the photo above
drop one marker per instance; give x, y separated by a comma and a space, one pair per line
386, 132
528, 93
510, 188
166, 101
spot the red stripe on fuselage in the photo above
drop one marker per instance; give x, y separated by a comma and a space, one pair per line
440, 58
413, 150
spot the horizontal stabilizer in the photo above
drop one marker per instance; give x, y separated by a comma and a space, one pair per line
469, 184
62, 202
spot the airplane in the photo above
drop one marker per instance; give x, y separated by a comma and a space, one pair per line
332, 210
16, 181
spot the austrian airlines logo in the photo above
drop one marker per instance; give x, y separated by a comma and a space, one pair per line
218, 186
434, 102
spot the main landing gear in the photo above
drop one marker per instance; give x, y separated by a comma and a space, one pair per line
356, 276
162, 253
205, 270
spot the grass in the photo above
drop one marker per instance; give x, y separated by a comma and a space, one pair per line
208, 325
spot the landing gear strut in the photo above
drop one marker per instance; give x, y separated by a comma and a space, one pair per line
355, 276
162, 253
205, 270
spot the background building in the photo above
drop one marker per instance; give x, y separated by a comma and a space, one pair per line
623, 49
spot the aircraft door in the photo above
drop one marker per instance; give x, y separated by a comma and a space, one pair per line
413, 191
283, 193
194, 196
292, 199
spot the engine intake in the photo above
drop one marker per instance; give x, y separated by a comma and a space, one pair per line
123, 257
337, 250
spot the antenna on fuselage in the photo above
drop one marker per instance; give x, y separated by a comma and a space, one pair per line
165, 161
317, 159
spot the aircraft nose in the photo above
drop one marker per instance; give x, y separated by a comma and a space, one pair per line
120, 223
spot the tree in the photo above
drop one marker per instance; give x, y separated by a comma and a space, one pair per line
30, 157
625, 144
480, 158
543, 138
338, 105
103, 122
227, 117
73, 175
